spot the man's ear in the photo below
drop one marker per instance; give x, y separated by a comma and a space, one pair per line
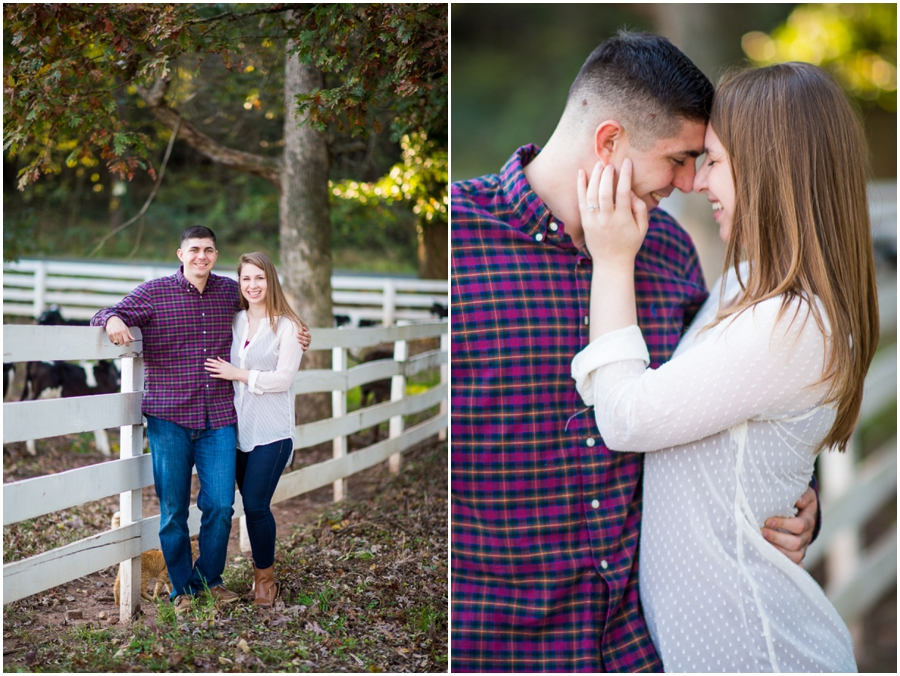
607, 137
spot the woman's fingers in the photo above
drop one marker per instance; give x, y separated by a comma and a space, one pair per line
582, 191
623, 190
605, 191
591, 199
641, 214
214, 365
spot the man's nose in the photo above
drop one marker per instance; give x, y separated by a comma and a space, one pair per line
684, 177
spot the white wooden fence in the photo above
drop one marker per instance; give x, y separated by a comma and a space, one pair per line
852, 491
80, 289
128, 475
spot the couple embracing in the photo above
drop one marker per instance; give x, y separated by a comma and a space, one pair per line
202, 332
642, 519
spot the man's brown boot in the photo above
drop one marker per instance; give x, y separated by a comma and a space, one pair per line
265, 589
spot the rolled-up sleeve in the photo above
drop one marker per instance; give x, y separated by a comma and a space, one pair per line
136, 309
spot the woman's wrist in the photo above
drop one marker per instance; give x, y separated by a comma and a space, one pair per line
614, 266
612, 298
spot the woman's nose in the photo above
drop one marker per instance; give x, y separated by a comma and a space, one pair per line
700, 180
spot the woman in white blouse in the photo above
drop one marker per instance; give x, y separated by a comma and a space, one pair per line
265, 356
769, 374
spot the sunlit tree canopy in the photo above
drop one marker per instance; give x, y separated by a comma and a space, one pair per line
419, 179
857, 43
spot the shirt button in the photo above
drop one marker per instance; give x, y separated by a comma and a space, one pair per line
595, 504
590, 441
604, 565
587, 320
539, 237
554, 227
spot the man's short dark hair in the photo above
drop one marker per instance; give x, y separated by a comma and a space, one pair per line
198, 232
647, 81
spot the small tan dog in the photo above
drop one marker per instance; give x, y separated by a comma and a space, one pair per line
153, 566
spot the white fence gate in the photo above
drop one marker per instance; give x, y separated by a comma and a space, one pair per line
128, 475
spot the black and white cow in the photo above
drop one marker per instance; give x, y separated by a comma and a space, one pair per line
72, 380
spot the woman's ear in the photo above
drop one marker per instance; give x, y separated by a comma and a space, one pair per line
607, 138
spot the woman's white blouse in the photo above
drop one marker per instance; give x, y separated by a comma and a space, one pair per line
735, 417
265, 405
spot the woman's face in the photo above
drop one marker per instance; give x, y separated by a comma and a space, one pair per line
253, 284
714, 179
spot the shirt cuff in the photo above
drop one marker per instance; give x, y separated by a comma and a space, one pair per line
251, 382
622, 345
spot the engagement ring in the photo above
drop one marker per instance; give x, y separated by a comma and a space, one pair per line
591, 208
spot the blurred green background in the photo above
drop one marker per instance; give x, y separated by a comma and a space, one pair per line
512, 65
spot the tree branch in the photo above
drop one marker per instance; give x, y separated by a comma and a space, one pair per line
232, 16
143, 210
268, 168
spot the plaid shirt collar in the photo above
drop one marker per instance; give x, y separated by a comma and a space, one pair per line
532, 215
211, 283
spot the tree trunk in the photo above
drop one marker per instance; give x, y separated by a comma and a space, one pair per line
305, 225
433, 247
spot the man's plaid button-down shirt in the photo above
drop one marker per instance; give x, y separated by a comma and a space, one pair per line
545, 519
181, 328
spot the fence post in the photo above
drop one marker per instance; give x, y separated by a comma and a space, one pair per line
838, 473
130, 502
390, 302
445, 367
40, 288
339, 410
398, 392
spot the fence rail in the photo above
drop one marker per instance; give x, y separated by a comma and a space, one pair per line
853, 491
80, 289
132, 472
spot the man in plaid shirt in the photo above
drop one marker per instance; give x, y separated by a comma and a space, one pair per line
546, 520
186, 319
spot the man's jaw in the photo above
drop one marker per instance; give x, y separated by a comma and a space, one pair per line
653, 198
200, 270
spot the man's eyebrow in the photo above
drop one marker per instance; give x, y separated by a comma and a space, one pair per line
691, 153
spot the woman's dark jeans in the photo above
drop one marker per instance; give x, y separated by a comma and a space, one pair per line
257, 474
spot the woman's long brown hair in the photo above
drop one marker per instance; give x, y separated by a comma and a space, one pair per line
798, 161
276, 303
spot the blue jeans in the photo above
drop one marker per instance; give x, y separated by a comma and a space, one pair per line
258, 473
174, 451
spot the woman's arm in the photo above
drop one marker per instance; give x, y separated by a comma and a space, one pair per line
763, 363
290, 353
615, 222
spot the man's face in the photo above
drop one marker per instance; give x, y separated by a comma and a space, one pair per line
670, 163
198, 255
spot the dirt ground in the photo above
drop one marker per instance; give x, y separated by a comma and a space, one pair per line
93, 595
88, 601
